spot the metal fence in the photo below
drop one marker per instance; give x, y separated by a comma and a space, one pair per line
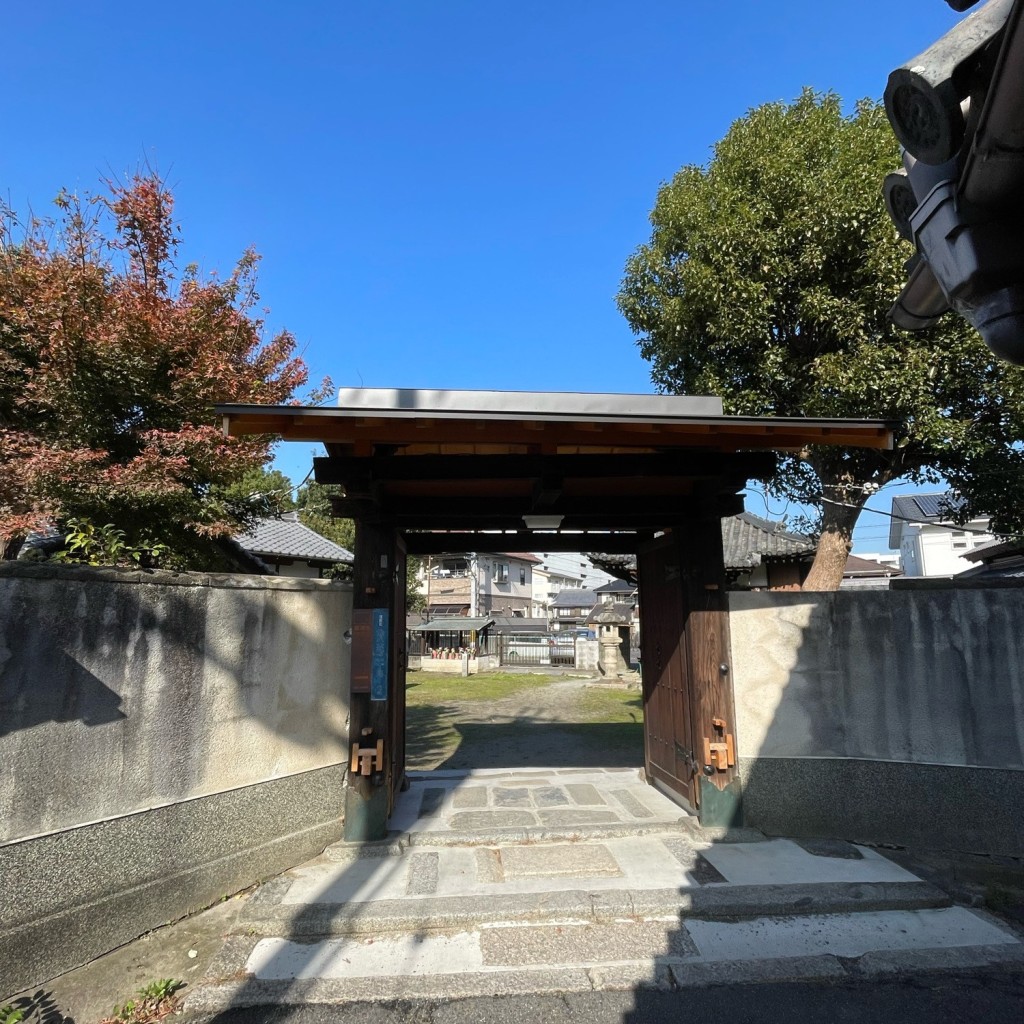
537, 650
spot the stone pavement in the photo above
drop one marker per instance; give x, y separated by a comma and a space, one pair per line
503, 882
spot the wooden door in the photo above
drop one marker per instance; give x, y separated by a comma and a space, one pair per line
688, 701
668, 752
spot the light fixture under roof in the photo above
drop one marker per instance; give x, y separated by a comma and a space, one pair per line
542, 522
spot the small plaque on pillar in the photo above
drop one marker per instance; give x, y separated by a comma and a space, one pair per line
379, 668
362, 649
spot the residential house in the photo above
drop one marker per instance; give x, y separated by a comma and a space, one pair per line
480, 583
561, 570
930, 543
289, 548
570, 608
763, 555
759, 555
865, 574
616, 592
1000, 562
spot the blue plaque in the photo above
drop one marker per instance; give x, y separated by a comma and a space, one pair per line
379, 671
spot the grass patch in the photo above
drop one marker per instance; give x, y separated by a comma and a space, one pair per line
597, 704
424, 688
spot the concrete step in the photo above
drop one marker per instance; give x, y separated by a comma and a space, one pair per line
569, 880
572, 955
267, 916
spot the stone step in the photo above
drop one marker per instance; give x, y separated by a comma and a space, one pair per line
267, 915
574, 955
398, 842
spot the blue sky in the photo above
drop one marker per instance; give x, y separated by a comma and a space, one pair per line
444, 193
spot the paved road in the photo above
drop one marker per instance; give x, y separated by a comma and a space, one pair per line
992, 997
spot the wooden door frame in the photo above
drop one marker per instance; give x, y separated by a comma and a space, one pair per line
704, 656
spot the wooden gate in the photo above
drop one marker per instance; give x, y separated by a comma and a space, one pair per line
688, 707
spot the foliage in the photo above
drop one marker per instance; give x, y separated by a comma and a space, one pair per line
260, 492
89, 544
152, 1003
767, 280
414, 600
314, 504
110, 364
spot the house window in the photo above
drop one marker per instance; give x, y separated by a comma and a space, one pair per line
522, 576
959, 539
501, 572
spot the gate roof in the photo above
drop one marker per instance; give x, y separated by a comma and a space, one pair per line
489, 466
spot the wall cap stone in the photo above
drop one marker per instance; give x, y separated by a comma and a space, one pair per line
163, 577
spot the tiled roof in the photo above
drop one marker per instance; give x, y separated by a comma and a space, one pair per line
573, 597
616, 587
523, 556
919, 508
611, 613
993, 550
857, 566
747, 539
288, 538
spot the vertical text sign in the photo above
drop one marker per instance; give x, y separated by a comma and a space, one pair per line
379, 676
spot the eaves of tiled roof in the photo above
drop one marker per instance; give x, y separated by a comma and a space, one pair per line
288, 538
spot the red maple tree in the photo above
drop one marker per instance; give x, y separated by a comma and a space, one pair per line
110, 364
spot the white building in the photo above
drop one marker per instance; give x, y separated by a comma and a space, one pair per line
560, 570
929, 542
478, 583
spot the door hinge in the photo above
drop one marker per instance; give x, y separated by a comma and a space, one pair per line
687, 756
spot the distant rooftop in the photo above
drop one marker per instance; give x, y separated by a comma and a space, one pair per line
920, 508
574, 597
747, 539
288, 538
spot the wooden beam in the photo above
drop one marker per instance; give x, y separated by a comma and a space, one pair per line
439, 543
692, 463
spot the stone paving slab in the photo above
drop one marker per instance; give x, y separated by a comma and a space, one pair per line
509, 881
623, 861
781, 861
846, 935
436, 801
580, 861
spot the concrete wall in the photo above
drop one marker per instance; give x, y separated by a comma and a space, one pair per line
166, 739
892, 717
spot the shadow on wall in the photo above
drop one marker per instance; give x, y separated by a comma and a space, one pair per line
892, 717
145, 688
84, 698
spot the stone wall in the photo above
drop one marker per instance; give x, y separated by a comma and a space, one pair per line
166, 739
885, 716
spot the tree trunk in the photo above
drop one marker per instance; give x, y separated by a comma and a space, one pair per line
837, 524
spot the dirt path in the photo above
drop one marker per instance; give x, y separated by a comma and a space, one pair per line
564, 724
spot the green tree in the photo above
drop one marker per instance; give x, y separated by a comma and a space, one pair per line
314, 505
767, 281
111, 361
261, 492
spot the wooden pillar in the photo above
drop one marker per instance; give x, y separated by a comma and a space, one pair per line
377, 671
709, 670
